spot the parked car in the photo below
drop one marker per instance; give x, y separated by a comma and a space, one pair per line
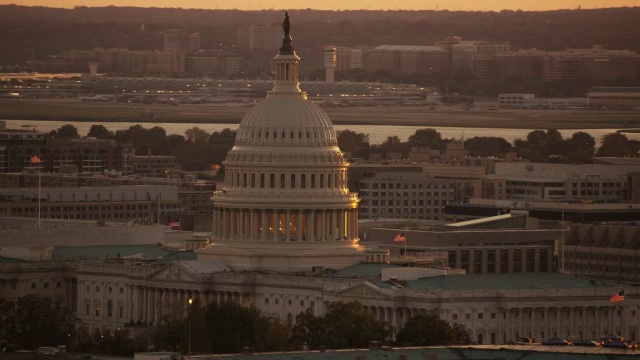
617, 345
556, 342
587, 343
609, 338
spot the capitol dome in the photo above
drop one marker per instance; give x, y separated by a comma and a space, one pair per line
285, 205
286, 120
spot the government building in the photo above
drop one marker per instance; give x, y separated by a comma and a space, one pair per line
286, 238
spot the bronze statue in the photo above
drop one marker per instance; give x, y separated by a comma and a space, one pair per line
285, 24
286, 39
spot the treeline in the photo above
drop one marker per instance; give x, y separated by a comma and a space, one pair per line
84, 28
33, 321
198, 150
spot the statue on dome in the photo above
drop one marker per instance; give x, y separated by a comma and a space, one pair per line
286, 39
285, 24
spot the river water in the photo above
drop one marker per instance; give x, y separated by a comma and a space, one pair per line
377, 133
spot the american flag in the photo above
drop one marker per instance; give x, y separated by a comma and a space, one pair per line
400, 237
35, 159
174, 224
617, 297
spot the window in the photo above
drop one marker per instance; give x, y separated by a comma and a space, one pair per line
121, 290
277, 301
301, 302
289, 302
266, 300
293, 181
58, 285
46, 285
109, 308
97, 288
455, 316
493, 315
88, 288
87, 309
121, 311
480, 316
33, 285
467, 316
97, 313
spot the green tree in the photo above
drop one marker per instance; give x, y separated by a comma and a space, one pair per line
461, 334
195, 338
196, 135
344, 325
425, 329
487, 146
38, 321
65, 131
615, 144
231, 327
167, 335
100, 132
427, 137
354, 142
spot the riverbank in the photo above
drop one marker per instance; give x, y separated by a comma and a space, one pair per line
73, 110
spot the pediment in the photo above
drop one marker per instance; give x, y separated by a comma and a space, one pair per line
364, 289
172, 272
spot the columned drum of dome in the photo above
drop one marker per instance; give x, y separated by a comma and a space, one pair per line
285, 205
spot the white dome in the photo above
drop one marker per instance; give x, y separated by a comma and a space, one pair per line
286, 121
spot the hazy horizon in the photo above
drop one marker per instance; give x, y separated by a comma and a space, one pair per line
461, 5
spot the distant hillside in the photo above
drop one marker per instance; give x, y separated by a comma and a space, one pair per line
37, 32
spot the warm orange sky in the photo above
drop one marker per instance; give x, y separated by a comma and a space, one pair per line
481, 5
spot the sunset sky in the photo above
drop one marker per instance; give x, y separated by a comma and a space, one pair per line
486, 5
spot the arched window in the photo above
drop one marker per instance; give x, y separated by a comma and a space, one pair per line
303, 181
272, 181
262, 181
253, 180
237, 179
244, 180
284, 135
336, 179
321, 181
282, 181
313, 181
329, 181
109, 308
293, 181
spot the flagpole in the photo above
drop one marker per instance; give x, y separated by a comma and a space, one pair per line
39, 197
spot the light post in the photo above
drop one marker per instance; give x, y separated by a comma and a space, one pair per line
189, 323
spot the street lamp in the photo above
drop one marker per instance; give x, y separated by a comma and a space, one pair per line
189, 324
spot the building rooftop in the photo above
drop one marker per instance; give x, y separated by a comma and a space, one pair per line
410, 48
479, 352
144, 251
520, 281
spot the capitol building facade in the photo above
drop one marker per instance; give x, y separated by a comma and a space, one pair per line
285, 239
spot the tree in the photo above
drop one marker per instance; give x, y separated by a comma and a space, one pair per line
425, 329
37, 321
352, 141
167, 335
427, 137
581, 141
615, 144
195, 338
196, 135
65, 131
344, 325
461, 334
487, 146
231, 327
99, 132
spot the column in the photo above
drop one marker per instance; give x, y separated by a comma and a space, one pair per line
335, 232
225, 223
252, 227
341, 224
299, 226
265, 226
287, 231
310, 225
276, 225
